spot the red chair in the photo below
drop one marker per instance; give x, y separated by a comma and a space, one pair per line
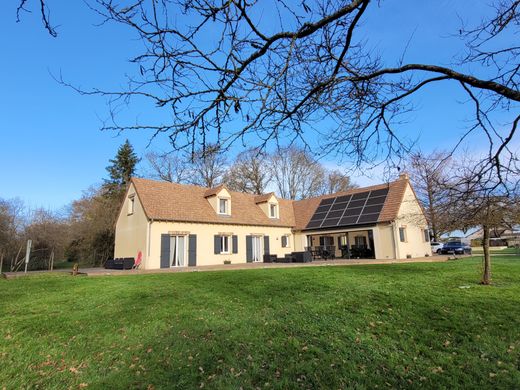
138, 260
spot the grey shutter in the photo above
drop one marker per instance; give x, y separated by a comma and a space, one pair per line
266, 245
192, 250
165, 251
218, 244
235, 244
249, 249
284, 241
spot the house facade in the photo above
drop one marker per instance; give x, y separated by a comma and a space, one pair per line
174, 225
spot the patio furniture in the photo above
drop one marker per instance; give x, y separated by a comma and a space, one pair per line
122, 263
270, 258
301, 257
345, 253
138, 260
328, 252
315, 253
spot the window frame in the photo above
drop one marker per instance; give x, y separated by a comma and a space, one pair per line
426, 235
273, 206
226, 207
403, 237
224, 238
131, 204
287, 241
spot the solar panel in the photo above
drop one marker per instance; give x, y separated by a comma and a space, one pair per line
349, 210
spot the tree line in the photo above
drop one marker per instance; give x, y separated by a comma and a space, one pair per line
290, 172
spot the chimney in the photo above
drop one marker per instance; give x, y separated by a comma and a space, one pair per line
404, 176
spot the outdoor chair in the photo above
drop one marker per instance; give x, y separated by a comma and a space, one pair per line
138, 260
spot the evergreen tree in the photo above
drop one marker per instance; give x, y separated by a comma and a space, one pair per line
121, 169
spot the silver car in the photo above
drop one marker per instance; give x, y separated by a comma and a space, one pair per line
437, 247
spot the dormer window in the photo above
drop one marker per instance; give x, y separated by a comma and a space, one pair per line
273, 210
223, 206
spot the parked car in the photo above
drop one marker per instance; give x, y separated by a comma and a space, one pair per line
456, 247
436, 247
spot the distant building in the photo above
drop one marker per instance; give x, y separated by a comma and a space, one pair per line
509, 237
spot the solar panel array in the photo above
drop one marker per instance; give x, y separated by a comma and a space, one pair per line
347, 210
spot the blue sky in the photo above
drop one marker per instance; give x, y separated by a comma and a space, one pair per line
51, 148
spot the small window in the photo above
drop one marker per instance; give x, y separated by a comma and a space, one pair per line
426, 235
224, 244
285, 241
223, 207
402, 234
131, 204
273, 212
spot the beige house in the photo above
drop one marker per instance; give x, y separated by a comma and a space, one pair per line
174, 225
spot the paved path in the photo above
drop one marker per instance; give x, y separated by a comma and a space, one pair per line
228, 267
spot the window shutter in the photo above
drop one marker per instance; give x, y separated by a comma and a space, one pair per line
235, 244
192, 250
218, 244
165, 251
249, 249
266, 245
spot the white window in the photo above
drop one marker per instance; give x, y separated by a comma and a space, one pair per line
286, 243
223, 206
131, 204
402, 234
224, 244
273, 210
177, 251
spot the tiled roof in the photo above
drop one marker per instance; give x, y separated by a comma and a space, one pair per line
263, 198
214, 191
187, 203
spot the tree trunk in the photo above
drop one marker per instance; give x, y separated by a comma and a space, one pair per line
431, 210
486, 276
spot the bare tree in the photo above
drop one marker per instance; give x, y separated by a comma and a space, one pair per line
171, 167
337, 181
209, 166
296, 174
473, 198
427, 173
278, 79
248, 173
50, 233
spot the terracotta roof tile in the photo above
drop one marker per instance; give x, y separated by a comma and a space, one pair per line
214, 191
187, 203
263, 198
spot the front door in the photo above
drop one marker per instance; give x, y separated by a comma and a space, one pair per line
177, 251
257, 248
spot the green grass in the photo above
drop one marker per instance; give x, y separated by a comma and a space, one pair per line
385, 326
494, 251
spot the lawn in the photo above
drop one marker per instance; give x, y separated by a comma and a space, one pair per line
410, 325
494, 251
